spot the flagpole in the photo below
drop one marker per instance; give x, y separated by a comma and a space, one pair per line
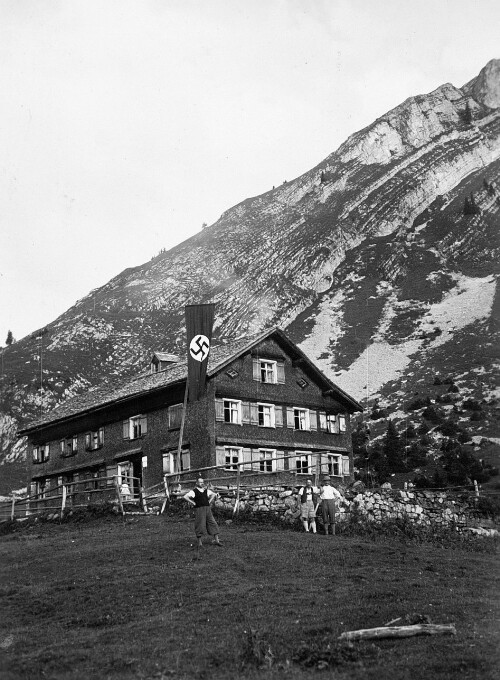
181, 431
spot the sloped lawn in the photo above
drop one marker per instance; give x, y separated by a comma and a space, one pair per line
125, 599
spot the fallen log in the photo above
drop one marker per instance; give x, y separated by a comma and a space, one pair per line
400, 631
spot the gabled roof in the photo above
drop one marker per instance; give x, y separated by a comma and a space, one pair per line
147, 383
164, 356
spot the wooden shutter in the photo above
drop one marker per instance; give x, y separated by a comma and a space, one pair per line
62, 444
245, 412
47, 452
100, 436
256, 369
74, 443
346, 466
247, 459
186, 460
280, 369
220, 456
278, 416
254, 414
342, 423
290, 417
313, 421
280, 462
126, 432
144, 424
335, 422
322, 421
88, 441
219, 409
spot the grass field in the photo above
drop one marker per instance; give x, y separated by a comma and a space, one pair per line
124, 599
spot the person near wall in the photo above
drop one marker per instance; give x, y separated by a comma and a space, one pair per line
329, 496
204, 523
308, 497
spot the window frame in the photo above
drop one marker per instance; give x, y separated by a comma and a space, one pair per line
233, 465
272, 414
307, 418
40, 454
330, 464
265, 371
235, 408
300, 455
94, 439
262, 461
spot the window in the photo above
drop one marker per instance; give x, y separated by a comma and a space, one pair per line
303, 463
301, 418
332, 425
94, 440
171, 464
135, 427
175, 416
333, 465
267, 460
69, 446
268, 371
41, 453
42, 488
232, 411
342, 423
232, 457
266, 415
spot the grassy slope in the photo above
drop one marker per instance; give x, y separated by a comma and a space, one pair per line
126, 600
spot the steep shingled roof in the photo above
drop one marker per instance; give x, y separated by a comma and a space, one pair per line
219, 357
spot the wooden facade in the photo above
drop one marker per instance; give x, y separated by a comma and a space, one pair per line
266, 405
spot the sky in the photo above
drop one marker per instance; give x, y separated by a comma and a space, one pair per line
127, 124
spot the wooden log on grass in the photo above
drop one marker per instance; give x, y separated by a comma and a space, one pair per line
400, 631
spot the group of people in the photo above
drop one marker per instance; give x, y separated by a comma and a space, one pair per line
310, 496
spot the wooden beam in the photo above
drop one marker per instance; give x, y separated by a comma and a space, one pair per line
400, 631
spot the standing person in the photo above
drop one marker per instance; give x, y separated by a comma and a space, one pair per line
329, 494
201, 498
308, 496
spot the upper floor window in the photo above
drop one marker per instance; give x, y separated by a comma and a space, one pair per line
301, 418
41, 453
94, 440
172, 464
232, 411
175, 416
266, 414
333, 423
135, 427
268, 371
69, 446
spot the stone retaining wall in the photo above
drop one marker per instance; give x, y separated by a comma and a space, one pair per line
423, 507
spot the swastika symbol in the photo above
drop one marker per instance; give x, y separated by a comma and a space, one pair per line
199, 347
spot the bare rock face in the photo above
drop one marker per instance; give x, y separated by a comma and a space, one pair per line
486, 87
352, 253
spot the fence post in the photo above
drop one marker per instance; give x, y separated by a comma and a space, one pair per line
142, 500
237, 501
316, 475
13, 509
476, 488
118, 495
167, 496
63, 501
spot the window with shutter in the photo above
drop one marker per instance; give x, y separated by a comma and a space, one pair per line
278, 416
219, 409
302, 462
342, 423
268, 371
265, 414
174, 416
301, 419
232, 411
254, 414
332, 424
245, 412
36, 454
232, 457
346, 468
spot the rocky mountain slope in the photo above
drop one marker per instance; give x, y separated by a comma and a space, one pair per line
381, 262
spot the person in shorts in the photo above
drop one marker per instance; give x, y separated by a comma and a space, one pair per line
308, 497
204, 523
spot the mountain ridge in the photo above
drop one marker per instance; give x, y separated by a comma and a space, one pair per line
389, 200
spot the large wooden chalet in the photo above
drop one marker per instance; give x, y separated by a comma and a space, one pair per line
266, 404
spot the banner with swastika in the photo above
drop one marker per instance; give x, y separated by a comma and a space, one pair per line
199, 324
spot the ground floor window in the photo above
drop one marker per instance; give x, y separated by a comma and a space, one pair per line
267, 460
232, 457
303, 463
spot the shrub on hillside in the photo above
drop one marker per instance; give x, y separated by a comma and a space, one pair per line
432, 415
418, 402
471, 405
476, 416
